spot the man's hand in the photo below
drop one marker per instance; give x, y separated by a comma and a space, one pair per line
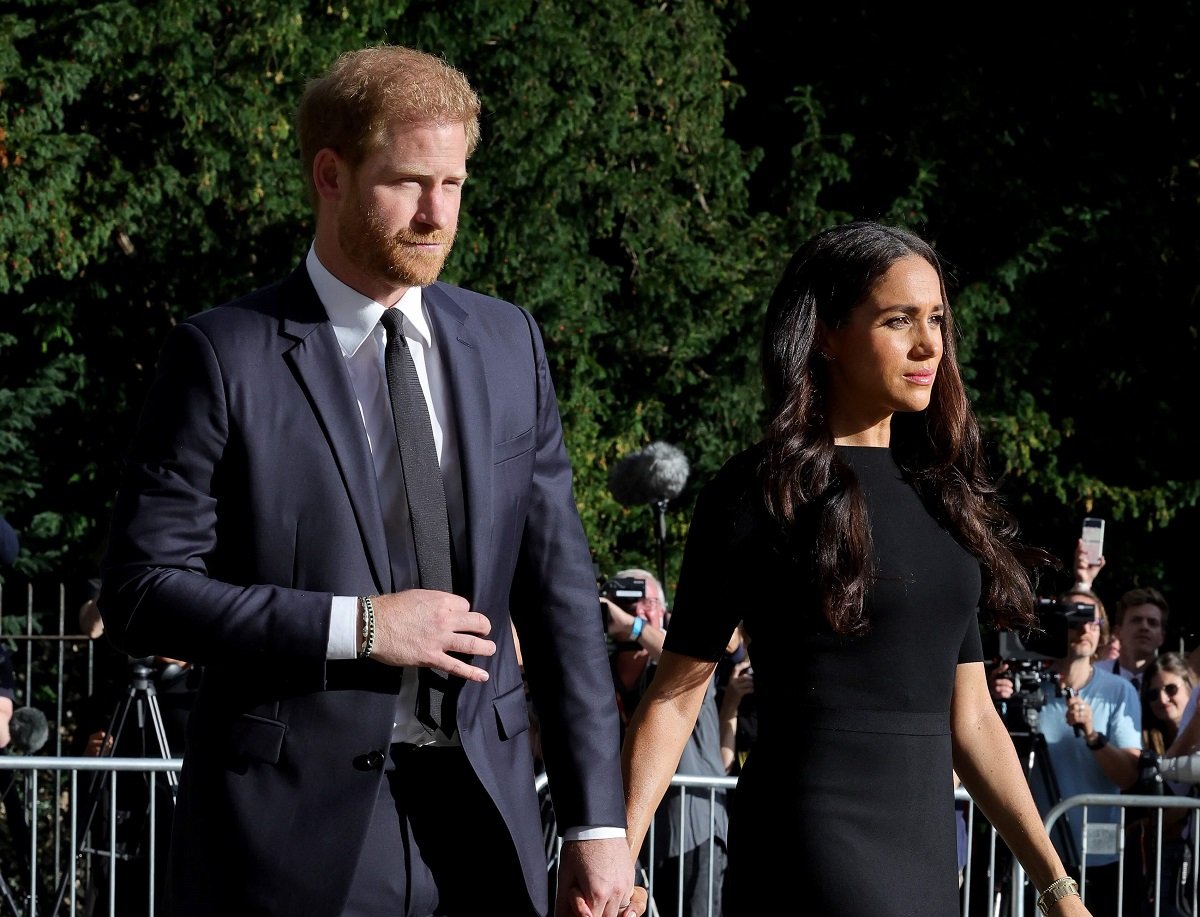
741, 683
1079, 716
99, 743
620, 622
1000, 682
90, 621
423, 626
1085, 573
595, 879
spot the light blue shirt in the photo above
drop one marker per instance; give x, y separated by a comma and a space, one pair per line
1116, 713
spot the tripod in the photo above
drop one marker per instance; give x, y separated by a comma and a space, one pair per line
141, 698
1032, 749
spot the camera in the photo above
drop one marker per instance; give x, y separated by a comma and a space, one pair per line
1025, 658
1048, 640
622, 591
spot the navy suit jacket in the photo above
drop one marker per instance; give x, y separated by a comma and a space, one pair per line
249, 499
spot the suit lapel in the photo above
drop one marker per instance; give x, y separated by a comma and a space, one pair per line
316, 358
464, 370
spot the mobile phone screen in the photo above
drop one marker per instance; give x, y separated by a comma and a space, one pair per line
1093, 538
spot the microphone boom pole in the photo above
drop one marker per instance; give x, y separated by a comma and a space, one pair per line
655, 475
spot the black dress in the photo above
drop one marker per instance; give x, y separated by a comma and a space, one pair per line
845, 804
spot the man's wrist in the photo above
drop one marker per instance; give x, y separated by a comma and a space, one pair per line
1097, 741
635, 629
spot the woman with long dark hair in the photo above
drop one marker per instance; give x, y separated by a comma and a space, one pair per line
860, 541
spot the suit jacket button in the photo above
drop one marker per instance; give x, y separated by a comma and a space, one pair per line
371, 761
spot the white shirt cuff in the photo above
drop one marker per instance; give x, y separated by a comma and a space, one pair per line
592, 833
343, 624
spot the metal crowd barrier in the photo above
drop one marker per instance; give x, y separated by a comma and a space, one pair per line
60, 867
48, 868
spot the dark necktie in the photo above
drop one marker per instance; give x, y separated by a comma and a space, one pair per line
426, 503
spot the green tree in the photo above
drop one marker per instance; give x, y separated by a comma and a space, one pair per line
1053, 163
645, 171
149, 172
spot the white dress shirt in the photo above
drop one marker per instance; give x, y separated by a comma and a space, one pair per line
355, 320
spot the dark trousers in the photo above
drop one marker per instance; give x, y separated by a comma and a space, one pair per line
436, 846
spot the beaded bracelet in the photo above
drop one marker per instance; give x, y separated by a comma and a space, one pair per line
368, 628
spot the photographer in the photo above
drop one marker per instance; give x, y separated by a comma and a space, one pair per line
637, 625
1090, 721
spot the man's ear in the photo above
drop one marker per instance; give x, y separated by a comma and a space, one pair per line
330, 174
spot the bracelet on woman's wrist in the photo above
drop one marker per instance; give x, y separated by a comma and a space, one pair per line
1055, 892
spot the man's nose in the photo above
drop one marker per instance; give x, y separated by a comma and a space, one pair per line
433, 209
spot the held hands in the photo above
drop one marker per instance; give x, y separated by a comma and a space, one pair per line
423, 626
639, 903
595, 879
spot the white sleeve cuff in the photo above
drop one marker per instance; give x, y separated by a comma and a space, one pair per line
343, 624
592, 833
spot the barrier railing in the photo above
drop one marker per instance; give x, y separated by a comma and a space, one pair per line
48, 868
70, 864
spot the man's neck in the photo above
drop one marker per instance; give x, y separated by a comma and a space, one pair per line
381, 291
1132, 665
1074, 673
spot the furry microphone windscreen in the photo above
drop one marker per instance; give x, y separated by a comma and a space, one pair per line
657, 472
29, 730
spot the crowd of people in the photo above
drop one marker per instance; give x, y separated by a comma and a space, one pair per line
349, 503
1097, 717
686, 860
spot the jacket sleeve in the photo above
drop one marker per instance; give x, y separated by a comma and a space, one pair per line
555, 604
157, 595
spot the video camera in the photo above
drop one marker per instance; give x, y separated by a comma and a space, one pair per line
622, 591
1048, 639
1026, 658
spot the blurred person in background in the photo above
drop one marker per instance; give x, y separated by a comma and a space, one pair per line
1091, 723
1140, 625
1168, 687
680, 841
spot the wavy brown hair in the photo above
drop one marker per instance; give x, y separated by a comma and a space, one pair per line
1157, 733
939, 448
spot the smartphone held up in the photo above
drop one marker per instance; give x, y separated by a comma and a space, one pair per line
1093, 539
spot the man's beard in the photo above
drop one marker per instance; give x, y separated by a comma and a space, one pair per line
392, 257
